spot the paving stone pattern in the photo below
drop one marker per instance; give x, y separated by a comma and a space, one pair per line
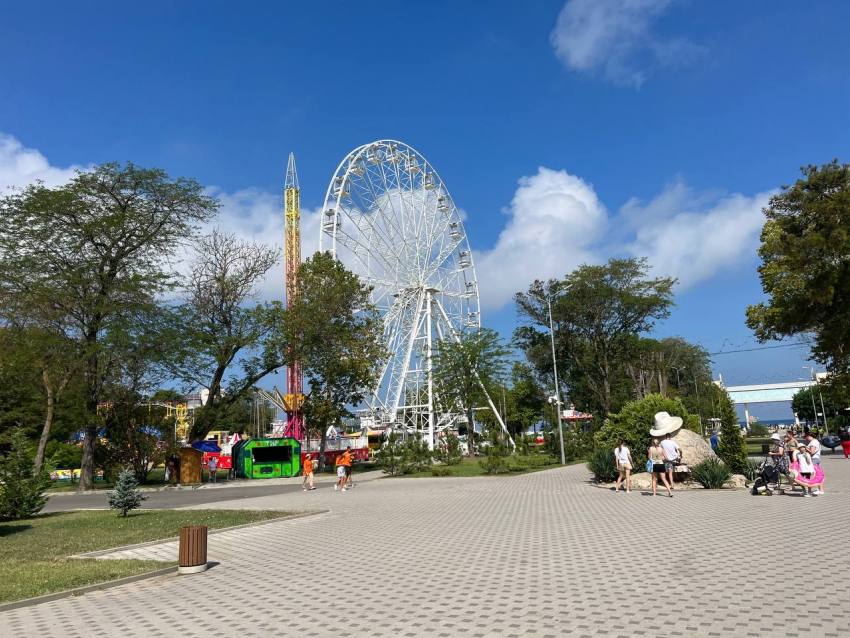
542, 554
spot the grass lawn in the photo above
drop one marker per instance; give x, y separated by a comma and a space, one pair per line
34, 552
472, 467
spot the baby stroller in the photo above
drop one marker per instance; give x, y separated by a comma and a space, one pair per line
769, 480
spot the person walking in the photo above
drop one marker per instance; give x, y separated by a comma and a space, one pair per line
666, 426
814, 448
340, 474
347, 462
656, 456
308, 474
714, 439
213, 466
672, 453
624, 465
806, 474
844, 437
790, 444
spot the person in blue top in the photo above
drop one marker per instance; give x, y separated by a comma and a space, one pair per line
715, 441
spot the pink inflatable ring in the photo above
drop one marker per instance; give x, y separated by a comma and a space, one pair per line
817, 479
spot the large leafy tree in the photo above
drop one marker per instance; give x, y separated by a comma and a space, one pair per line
335, 333
229, 339
598, 313
522, 402
805, 271
96, 252
464, 367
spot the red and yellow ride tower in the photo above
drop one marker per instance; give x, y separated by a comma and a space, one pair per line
292, 255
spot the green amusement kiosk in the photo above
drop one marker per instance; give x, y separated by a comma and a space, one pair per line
267, 458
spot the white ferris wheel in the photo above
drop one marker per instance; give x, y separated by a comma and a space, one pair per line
390, 218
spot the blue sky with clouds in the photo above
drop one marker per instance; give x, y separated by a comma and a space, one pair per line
568, 131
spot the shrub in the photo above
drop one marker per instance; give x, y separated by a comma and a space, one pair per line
416, 457
577, 445
757, 431
448, 450
603, 466
441, 470
497, 453
691, 422
634, 422
711, 474
126, 497
750, 471
732, 448
389, 457
21, 492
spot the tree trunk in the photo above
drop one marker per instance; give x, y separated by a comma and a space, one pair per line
48, 422
470, 433
92, 399
322, 444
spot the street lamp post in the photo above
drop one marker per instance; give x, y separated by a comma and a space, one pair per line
557, 384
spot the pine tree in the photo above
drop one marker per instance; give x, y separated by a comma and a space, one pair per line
416, 455
732, 448
388, 457
497, 453
448, 450
126, 497
22, 487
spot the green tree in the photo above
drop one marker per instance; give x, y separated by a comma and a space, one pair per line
334, 331
389, 456
222, 325
22, 487
126, 497
805, 271
522, 403
448, 450
96, 250
496, 453
464, 367
416, 457
598, 312
732, 448
633, 423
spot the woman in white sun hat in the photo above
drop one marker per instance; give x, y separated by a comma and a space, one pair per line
666, 426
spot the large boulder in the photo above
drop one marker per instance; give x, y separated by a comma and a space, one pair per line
694, 447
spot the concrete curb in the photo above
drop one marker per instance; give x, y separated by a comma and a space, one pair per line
79, 591
214, 486
161, 541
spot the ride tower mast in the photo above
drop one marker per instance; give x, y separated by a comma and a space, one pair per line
292, 256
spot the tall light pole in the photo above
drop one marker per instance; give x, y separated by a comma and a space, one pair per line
557, 383
812, 390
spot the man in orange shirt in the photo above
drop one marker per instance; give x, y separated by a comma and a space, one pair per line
308, 472
347, 460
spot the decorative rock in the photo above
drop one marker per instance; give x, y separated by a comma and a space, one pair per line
738, 480
694, 447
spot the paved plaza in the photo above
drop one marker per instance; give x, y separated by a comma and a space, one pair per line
543, 554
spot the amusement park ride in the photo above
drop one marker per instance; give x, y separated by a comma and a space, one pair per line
291, 402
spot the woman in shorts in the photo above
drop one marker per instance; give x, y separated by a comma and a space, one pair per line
656, 456
624, 465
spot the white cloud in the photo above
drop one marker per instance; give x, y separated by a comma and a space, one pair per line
255, 214
20, 166
694, 236
553, 220
615, 38
557, 222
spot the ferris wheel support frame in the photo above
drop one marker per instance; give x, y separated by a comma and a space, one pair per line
481, 383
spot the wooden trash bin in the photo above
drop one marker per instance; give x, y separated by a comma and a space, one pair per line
193, 549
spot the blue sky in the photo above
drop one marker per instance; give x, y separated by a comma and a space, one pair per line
653, 128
